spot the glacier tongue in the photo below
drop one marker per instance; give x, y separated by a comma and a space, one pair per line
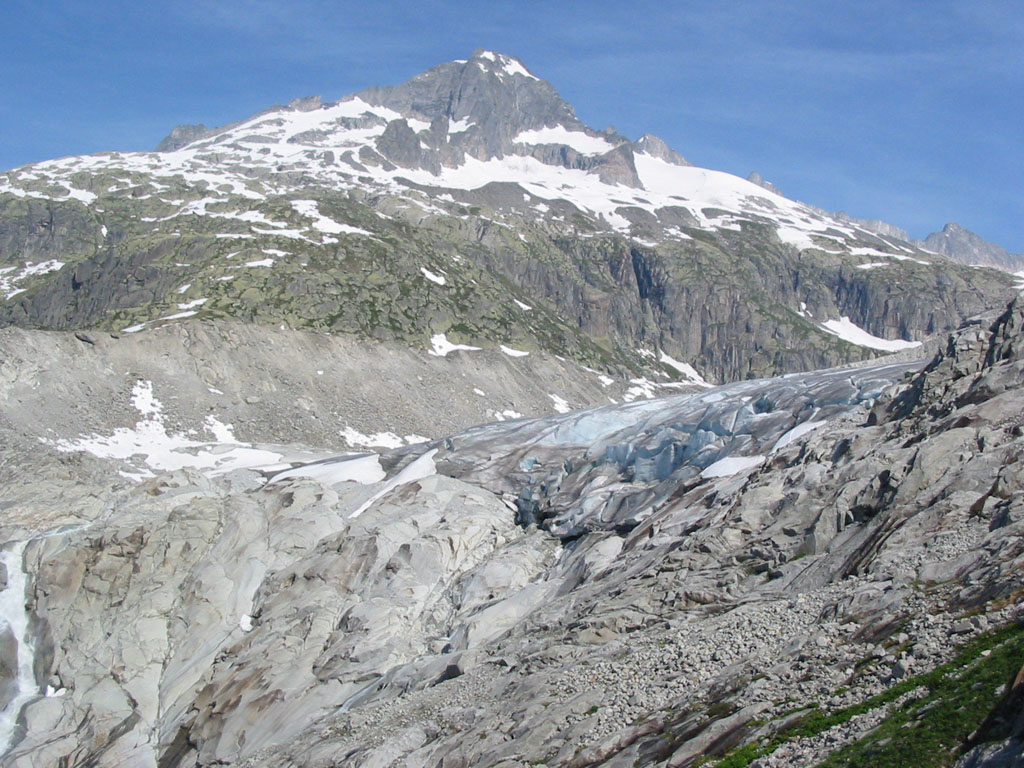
649, 450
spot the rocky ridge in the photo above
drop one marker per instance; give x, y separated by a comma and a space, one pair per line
653, 583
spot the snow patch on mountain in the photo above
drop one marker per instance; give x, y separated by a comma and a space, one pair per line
504, 415
557, 134
356, 438
561, 404
148, 447
377, 440
867, 251
321, 223
686, 369
433, 277
11, 276
441, 347
507, 65
731, 465
460, 126
848, 331
796, 433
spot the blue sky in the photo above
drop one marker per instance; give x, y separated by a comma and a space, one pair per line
906, 111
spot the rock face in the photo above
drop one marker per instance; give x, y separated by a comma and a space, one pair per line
447, 204
181, 135
962, 245
648, 584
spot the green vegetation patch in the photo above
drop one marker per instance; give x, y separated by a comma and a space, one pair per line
924, 732
930, 731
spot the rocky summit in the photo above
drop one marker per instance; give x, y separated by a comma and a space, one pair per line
965, 246
432, 428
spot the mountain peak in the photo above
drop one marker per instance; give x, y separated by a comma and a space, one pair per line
655, 146
492, 94
500, 64
486, 107
961, 244
488, 87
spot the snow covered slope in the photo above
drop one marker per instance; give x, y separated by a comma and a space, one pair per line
354, 144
